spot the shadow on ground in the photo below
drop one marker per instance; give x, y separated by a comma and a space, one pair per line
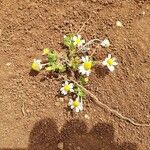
74, 136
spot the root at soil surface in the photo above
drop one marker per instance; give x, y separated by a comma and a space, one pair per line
104, 106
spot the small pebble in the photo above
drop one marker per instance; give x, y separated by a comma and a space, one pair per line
119, 24
94, 1
60, 145
105, 43
87, 117
143, 12
8, 64
61, 99
0, 32
57, 103
78, 148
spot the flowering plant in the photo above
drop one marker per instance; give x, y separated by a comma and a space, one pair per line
77, 60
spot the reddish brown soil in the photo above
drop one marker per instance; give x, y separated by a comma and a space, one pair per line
28, 26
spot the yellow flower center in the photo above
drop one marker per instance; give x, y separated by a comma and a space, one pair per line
110, 61
35, 66
76, 103
78, 41
67, 88
87, 65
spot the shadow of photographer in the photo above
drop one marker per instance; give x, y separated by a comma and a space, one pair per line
74, 136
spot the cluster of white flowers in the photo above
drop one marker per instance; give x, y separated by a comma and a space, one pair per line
84, 67
76, 104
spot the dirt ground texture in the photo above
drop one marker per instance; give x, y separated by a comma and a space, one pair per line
33, 116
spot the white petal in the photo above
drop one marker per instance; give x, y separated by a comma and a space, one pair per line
75, 43
111, 68
86, 58
79, 45
62, 89
71, 90
81, 107
104, 62
70, 102
38, 61
88, 72
72, 107
66, 83
83, 59
64, 92
114, 59
82, 70
109, 56
71, 85
77, 109
82, 41
79, 36
115, 63
80, 67
74, 38
77, 99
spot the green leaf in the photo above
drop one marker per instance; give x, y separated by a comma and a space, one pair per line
74, 62
83, 80
80, 92
52, 58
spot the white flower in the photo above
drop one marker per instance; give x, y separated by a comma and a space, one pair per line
67, 87
36, 65
85, 68
110, 62
105, 43
77, 105
77, 41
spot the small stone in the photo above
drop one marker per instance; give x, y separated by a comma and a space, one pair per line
105, 43
61, 99
119, 24
60, 145
78, 148
8, 64
94, 1
143, 13
87, 117
57, 103
0, 32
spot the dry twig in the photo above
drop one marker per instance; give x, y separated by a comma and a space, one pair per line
23, 109
83, 25
104, 106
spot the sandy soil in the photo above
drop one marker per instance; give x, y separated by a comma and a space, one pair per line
32, 116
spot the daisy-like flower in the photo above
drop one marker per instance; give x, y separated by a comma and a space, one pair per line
85, 68
110, 62
67, 87
36, 65
105, 43
76, 105
78, 41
